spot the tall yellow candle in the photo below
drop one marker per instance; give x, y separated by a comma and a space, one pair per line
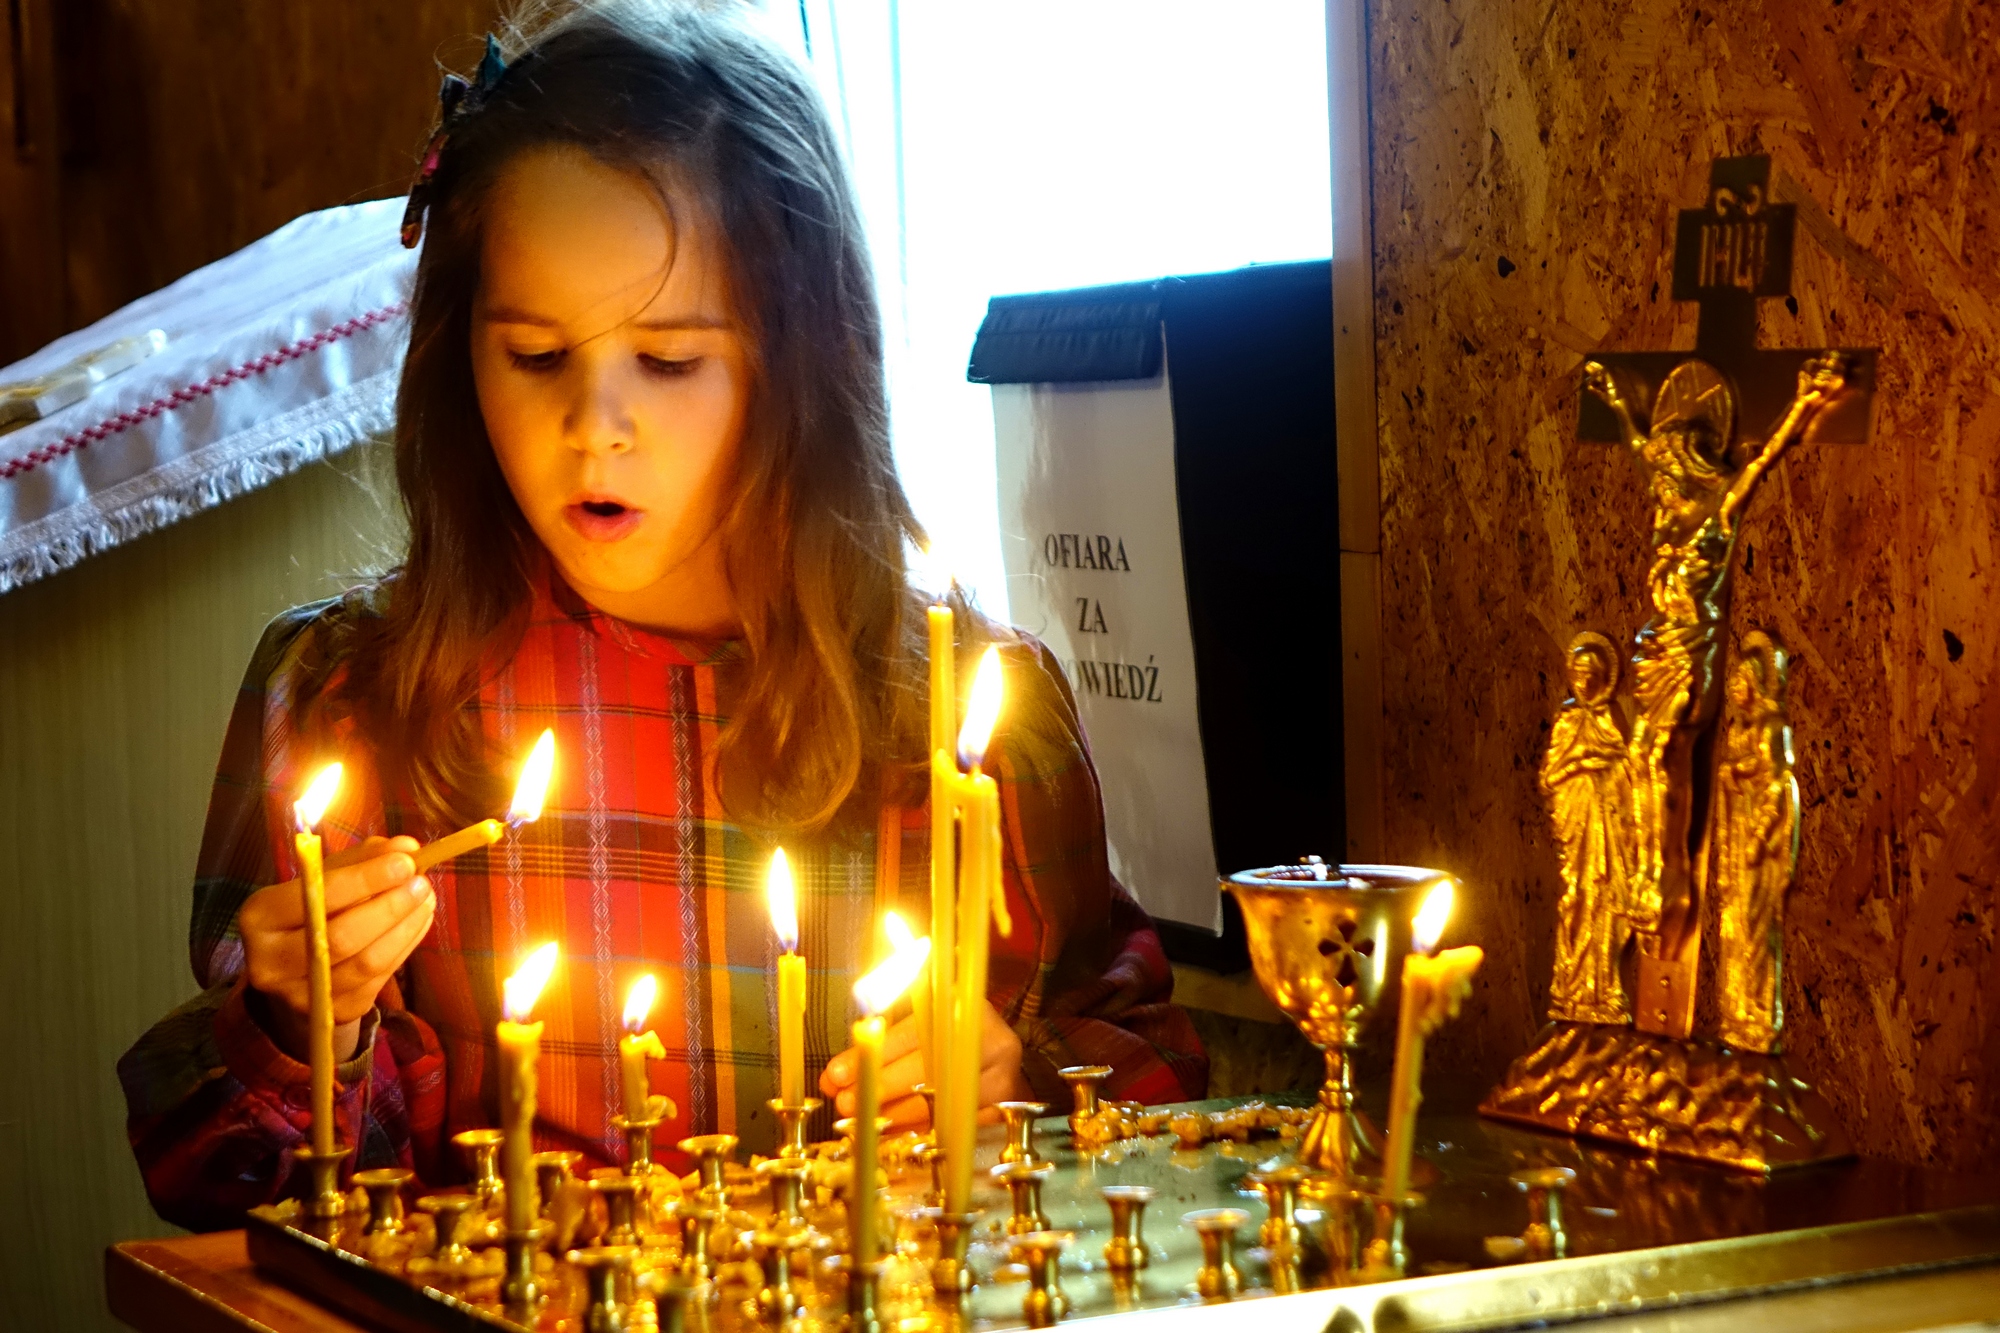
309, 809
520, 1046
782, 893
981, 905
875, 993
1433, 990
944, 870
638, 1045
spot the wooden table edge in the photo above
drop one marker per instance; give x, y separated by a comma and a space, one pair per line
158, 1286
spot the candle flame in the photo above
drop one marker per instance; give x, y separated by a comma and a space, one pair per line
525, 986
534, 783
892, 976
783, 896
639, 1002
1432, 917
899, 933
319, 795
982, 710
935, 569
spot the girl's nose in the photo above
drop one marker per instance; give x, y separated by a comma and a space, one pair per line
601, 420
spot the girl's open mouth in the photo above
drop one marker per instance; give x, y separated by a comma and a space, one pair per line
602, 520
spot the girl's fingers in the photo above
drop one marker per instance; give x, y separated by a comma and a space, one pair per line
359, 873
907, 1112
368, 970
365, 880
900, 1040
367, 921
901, 1076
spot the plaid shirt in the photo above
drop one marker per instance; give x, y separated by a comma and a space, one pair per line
633, 868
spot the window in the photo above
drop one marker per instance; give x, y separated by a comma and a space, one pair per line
1034, 145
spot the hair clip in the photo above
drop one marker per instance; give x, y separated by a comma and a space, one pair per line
457, 99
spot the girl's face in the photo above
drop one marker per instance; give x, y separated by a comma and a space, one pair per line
614, 380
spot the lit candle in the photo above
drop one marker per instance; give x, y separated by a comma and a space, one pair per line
936, 1000
520, 1044
783, 896
875, 993
1433, 990
308, 811
526, 809
975, 798
639, 1043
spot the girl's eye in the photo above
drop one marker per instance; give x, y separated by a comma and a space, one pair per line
666, 369
535, 361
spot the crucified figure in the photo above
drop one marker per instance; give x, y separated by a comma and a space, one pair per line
1699, 497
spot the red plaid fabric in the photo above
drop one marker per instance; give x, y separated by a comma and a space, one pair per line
633, 868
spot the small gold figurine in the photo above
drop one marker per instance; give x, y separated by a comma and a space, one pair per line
1585, 778
1756, 833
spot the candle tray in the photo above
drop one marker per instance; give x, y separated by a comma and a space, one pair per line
1639, 1232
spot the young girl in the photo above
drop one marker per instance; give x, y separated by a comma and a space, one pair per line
641, 444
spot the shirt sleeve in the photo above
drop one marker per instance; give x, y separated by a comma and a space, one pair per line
215, 1109
1082, 978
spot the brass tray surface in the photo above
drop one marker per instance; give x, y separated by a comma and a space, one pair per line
1642, 1234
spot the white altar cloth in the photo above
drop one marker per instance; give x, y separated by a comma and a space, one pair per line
285, 352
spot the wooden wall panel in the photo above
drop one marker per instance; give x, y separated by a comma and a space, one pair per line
1528, 159
116, 678
189, 128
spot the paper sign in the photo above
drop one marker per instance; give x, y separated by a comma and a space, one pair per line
1090, 533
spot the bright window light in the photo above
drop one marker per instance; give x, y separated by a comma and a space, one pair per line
1035, 145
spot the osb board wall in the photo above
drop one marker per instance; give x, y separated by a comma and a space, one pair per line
1528, 159
172, 132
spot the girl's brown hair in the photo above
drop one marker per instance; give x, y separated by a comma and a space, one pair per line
730, 133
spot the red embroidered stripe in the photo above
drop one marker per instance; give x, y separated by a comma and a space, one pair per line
125, 421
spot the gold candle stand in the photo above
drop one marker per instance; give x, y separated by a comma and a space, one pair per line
324, 1199
792, 1124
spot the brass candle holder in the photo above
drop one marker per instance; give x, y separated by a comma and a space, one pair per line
1087, 1083
482, 1153
927, 1154
792, 1124
449, 1252
864, 1285
951, 1276
518, 1287
1280, 1188
777, 1303
385, 1198
638, 1143
605, 1268
1126, 1251
787, 1177
620, 1193
324, 1199
553, 1170
1020, 1118
1024, 1182
1327, 944
710, 1151
1386, 1255
1220, 1279
697, 1222
1545, 1237
1040, 1252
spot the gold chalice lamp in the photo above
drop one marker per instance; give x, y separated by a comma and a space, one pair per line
1326, 943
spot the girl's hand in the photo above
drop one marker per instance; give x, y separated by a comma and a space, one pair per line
1000, 1077
377, 911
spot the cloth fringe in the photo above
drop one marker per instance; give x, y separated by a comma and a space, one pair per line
95, 531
